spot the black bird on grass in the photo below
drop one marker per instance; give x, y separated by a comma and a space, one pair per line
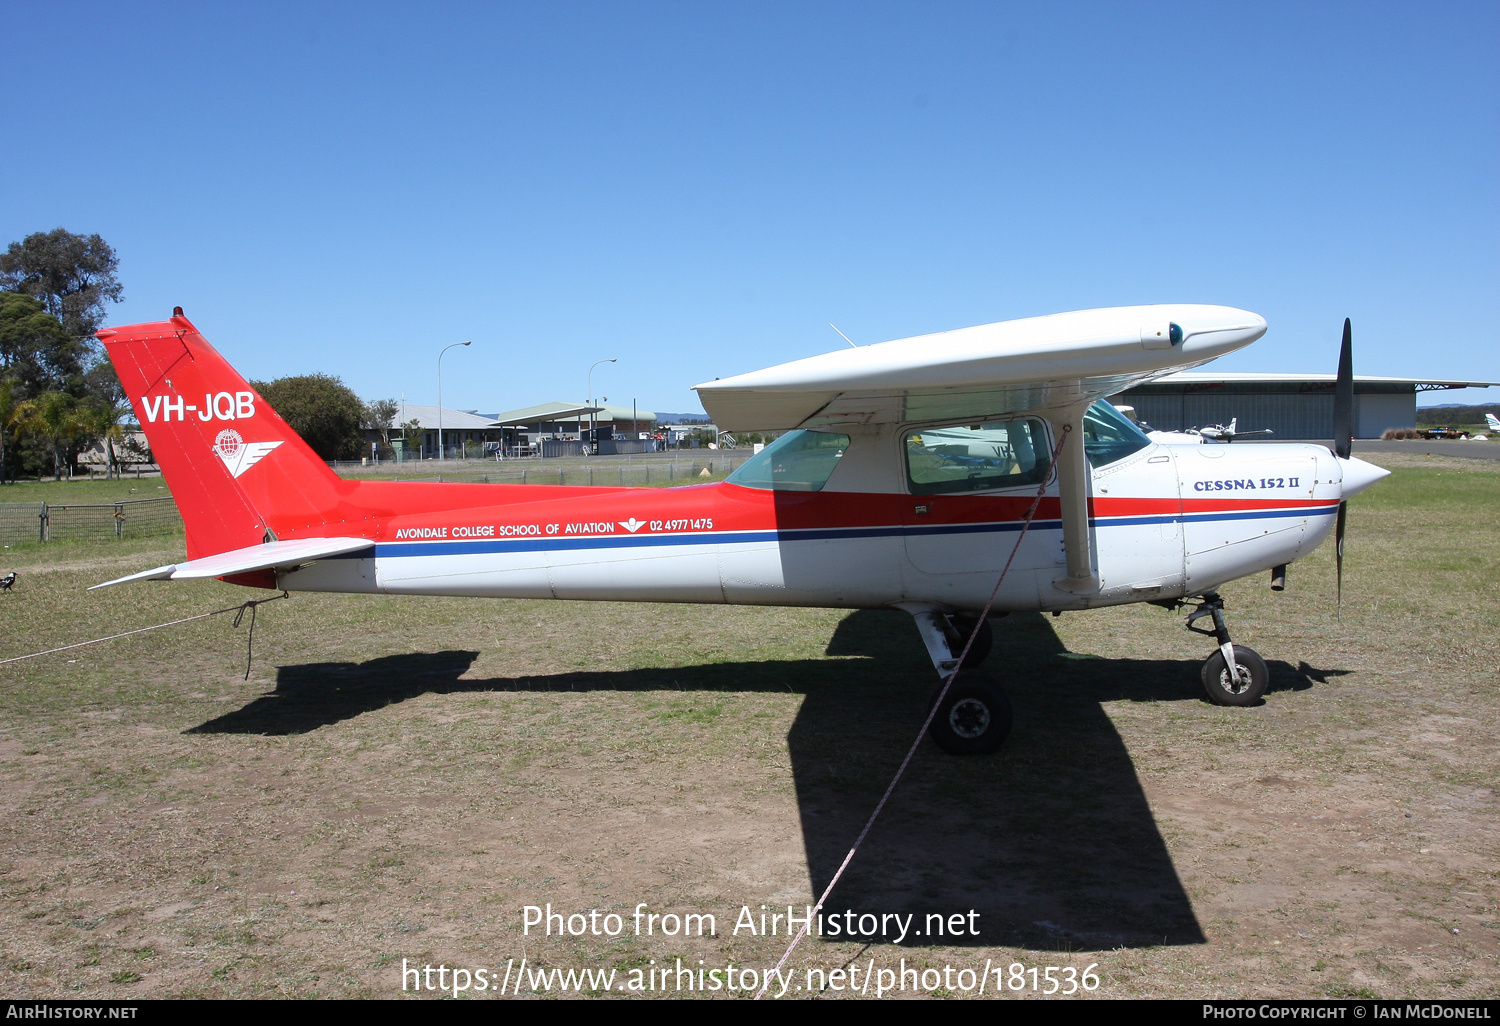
8, 580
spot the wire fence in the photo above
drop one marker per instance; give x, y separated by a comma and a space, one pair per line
128, 518
22, 522
600, 474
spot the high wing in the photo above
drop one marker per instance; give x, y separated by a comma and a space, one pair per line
270, 556
1054, 366
1032, 365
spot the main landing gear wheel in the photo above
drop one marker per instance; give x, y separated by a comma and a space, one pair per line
1248, 684
974, 717
962, 627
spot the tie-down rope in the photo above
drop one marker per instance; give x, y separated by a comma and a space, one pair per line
932, 712
239, 613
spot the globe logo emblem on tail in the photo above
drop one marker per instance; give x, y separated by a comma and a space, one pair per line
227, 445
237, 454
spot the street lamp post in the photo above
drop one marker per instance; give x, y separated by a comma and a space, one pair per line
440, 394
593, 426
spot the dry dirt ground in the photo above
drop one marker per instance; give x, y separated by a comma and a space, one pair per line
399, 778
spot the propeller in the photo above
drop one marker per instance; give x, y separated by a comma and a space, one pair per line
1343, 445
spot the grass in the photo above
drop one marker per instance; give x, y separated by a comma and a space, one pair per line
400, 776
80, 490
20, 530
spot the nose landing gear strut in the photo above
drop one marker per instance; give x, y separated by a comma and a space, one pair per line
1249, 679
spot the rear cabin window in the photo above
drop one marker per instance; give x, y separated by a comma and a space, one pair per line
977, 458
799, 461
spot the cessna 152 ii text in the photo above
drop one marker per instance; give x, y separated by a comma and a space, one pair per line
904, 481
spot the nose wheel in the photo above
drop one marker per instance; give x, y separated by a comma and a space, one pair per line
1235, 674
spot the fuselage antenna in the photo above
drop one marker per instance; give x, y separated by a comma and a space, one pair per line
846, 338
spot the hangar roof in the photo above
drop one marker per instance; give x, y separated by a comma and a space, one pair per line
552, 412
1193, 381
453, 420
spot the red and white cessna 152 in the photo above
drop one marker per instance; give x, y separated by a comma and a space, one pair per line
905, 484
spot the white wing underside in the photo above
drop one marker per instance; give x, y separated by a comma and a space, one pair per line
761, 410
1037, 364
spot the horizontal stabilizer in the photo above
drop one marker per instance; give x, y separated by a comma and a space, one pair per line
161, 573
253, 557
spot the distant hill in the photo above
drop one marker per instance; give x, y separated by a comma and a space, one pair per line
1430, 415
696, 418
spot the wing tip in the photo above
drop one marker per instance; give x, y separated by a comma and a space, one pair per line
161, 573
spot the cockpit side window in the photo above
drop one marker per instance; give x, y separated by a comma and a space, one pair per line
977, 458
799, 461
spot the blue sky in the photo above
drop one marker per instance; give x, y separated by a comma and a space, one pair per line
698, 189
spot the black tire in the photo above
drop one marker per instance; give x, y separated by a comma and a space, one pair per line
974, 718
1219, 687
962, 627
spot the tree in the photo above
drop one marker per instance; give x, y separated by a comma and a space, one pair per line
54, 288
100, 418
102, 383
411, 432
35, 350
53, 416
8, 400
379, 415
72, 275
320, 408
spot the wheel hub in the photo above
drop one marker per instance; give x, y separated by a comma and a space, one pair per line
1239, 683
969, 718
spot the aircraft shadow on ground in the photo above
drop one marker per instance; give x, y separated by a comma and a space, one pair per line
1050, 841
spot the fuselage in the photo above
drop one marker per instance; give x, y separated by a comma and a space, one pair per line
908, 484
1166, 521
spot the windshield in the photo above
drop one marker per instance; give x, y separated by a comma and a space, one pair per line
799, 461
1109, 435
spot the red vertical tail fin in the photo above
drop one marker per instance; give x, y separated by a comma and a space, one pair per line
239, 473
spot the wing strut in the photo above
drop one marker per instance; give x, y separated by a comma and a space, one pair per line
1073, 491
